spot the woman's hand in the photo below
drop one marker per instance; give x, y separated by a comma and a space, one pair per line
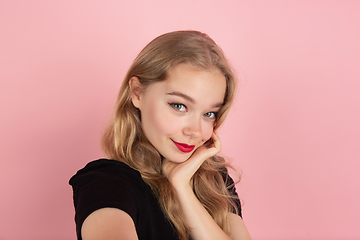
179, 174
200, 222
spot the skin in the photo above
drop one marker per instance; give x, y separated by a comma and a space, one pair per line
181, 109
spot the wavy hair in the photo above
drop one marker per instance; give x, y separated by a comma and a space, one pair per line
125, 141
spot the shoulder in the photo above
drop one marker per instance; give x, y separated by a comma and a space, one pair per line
107, 184
107, 179
104, 174
230, 185
103, 169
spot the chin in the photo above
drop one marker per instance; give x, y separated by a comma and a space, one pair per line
180, 159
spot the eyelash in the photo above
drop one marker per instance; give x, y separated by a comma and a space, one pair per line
214, 115
174, 105
178, 106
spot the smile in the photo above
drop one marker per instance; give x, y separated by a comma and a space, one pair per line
183, 147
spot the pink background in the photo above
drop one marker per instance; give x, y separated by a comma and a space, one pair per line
294, 130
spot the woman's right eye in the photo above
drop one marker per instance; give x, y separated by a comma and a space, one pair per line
178, 106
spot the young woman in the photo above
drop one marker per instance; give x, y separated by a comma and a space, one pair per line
164, 180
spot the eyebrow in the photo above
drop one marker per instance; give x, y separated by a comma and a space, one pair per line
190, 99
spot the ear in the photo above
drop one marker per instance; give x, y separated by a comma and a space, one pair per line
135, 88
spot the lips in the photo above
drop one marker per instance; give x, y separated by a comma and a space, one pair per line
184, 147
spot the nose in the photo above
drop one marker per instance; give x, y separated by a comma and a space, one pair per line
193, 127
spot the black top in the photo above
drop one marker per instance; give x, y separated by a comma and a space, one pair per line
110, 183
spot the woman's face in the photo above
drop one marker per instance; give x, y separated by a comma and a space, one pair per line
178, 114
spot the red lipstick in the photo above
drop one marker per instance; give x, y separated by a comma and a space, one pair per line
183, 147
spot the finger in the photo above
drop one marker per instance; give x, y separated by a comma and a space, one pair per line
205, 152
216, 141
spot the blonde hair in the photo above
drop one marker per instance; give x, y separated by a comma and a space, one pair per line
125, 141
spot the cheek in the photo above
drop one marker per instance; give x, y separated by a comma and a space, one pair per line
207, 131
159, 121
169, 124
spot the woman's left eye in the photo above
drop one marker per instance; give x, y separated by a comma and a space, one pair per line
210, 114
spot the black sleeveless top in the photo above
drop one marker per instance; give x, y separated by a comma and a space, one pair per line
110, 183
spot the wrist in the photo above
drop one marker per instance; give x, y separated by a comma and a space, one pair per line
183, 189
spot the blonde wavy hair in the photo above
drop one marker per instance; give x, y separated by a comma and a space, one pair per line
125, 141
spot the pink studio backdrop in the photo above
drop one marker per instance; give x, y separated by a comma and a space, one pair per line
293, 132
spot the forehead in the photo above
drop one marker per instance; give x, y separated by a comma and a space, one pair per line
199, 84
